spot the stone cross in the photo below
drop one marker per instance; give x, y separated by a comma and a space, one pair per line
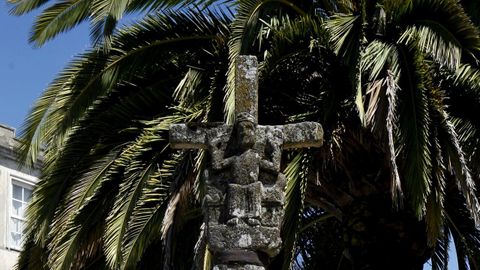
244, 198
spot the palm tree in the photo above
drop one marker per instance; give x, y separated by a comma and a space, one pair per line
140, 93
103, 16
399, 50
394, 85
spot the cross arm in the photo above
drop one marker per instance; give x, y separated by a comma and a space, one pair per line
196, 135
190, 136
300, 135
184, 137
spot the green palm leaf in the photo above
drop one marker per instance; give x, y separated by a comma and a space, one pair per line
94, 74
146, 222
347, 33
244, 33
25, 6
59, 18
344, 31
443, 23
63, 15
443, 50
296, 173
440, 256
127, 198
413, 124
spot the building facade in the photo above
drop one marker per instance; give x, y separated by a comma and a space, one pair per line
16, 185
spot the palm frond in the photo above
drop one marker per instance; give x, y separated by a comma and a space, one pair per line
201, 251
391, 92
296, 173
127, 197
441, 253
65, 247
81, 192
147, 217
345, 35
414, 125
465, 234
188, 86
444, 51
146, 220
467, 75
179, 205
462, 90
244, 32
378, 57
459, 166
24, 6
95, 74
381, 116
98, 135
105, 15
435, 213
294, 36
443, 23
128, 164
59, 18
33, 257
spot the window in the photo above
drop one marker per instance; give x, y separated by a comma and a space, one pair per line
21, 194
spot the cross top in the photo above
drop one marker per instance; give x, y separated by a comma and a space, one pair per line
246, 88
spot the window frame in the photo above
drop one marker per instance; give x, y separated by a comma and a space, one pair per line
26, 182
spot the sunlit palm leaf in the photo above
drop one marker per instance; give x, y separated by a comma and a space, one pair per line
414, 124
127, 197
25, 6
446, 52
94, 74
345, 31
445, 24
59, 18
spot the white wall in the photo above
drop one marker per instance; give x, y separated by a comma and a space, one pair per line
9, 170
8, 255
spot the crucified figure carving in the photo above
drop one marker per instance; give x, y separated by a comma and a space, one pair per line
244, 188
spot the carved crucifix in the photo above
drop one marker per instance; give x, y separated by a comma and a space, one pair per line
244, 197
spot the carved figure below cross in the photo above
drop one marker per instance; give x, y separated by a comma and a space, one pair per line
244, 195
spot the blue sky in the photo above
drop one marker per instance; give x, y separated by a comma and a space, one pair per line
26, 71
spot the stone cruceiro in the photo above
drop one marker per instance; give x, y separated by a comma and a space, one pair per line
244, 199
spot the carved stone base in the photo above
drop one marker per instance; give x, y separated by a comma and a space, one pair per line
238, 267
264, 239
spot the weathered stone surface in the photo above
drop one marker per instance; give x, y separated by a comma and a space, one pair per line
244, 196
194, 135
246, 85
238, 267
242, 236
306, 134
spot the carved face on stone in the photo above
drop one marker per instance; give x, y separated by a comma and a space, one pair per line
245, 131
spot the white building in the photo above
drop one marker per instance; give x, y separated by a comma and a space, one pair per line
15, 191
